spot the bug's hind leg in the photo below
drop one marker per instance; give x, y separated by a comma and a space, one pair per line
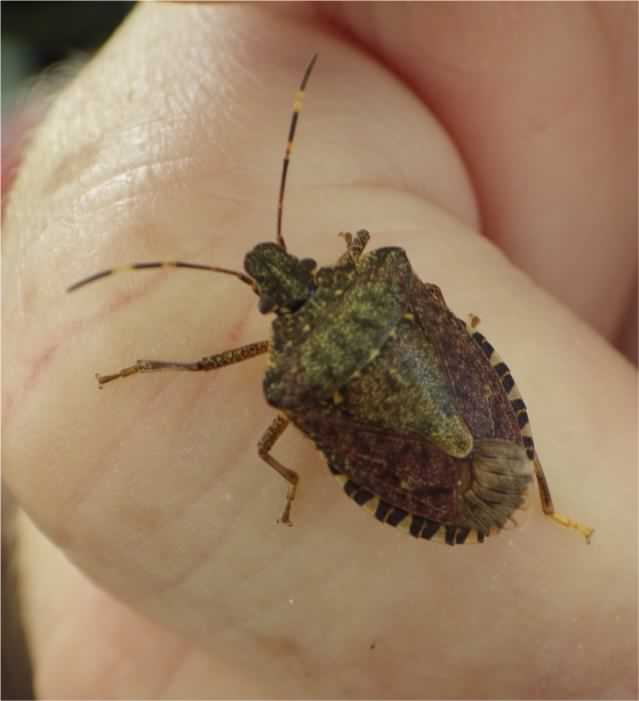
354, 246
211, 362
548, 506
519, 407
267, 441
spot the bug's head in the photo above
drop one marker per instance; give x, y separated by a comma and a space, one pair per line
284, 282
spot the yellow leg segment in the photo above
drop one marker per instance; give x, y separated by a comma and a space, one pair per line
562, 520
549, 508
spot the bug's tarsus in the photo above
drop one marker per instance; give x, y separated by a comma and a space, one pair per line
297, 108
162, 264
210, 362
266, 443
472, 322
354, 246
549, 508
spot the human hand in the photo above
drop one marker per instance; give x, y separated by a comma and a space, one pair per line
176, 580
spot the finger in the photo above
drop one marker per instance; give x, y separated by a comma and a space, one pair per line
115, 651
153, 486
541, 101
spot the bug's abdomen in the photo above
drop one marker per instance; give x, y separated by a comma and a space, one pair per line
410, 474
517, 404
406, 482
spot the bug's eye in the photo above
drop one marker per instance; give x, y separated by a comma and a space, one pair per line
284, 281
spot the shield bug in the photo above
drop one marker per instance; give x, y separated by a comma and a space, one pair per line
418, 417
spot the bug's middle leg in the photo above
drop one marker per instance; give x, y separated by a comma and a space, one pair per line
210, 362
266, 442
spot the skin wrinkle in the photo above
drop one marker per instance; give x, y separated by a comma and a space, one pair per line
246, 577
277, 560
180, 580
71, 167
84, 158
44, 360
226, 623
123, 178
91, 484
199, 561
66, 534
113, 617
231, 625
189, 502
171, 671
277, 646
41, 362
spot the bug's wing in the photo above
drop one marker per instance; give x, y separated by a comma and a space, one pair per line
473, 383
405, 390
385, 469
411, 474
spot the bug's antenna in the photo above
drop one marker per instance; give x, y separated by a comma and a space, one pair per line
297, 107
162, 264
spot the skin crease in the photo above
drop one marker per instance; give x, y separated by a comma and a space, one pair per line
168, 577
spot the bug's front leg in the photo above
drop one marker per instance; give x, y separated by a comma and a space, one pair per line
267, 441
211, 362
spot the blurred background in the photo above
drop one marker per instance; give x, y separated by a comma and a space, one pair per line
50, 39
36, 35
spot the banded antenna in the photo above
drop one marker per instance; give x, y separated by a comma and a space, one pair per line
298, 102
161, 264
246, 279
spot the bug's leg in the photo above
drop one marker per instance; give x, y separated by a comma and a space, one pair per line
210, 362
354, 246
521, 413
348, 238
548, 506
267, 441
472, 322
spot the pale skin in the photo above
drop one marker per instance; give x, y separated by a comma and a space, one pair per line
178, 581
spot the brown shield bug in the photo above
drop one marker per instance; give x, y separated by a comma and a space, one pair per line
418, 417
